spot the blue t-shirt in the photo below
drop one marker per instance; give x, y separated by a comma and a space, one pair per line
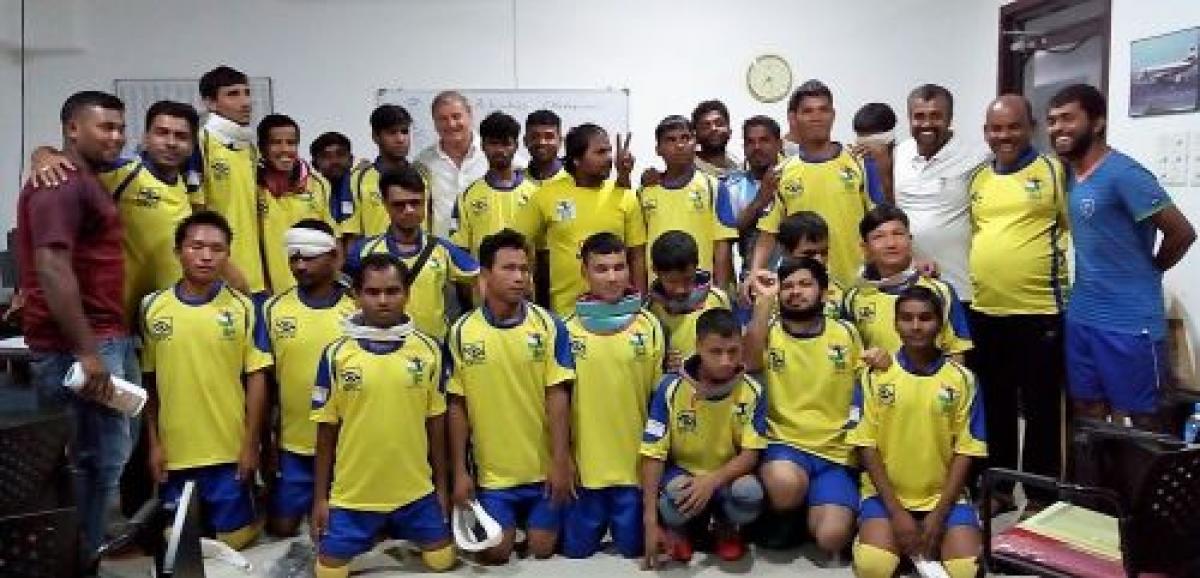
1117, 286
736, 191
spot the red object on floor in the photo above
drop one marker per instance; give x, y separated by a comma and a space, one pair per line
1025, 545
678, 547
730, 547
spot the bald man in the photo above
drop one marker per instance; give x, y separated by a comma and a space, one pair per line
1019, 275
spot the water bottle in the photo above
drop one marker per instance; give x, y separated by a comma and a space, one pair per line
1191, 427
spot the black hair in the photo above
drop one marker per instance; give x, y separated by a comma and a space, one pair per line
174, 110
883, 213
202, 218
543, 117
576, 144
719, 321
602, 243
220, 77
924, 295
812, 88
86, 99
931, 92
407, 178
326, 140
504, 239
271, 122
673, 122
499, 126
674, 251
379, 262
315, 225
790, 265
708, 106
763, 121
389, 116
802, 226
1090, 99
874, 118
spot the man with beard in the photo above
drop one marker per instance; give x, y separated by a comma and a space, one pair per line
809, 362
748, 196
711, 122
331, 155
1019, 273
1115, 329
391, 127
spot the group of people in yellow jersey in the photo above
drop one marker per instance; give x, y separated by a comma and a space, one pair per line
730, 349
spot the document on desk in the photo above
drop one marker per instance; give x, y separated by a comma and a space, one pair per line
1081, 528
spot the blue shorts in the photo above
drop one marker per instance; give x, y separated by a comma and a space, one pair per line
962, 514
227, 503
528, 503
1126, 371
292, 496
616, 509
352, 532
829, 483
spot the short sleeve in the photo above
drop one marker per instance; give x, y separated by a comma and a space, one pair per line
194, 171
970, 434
721, 218
635, 222
149, 346
560, 367
658, 352
463, 267
754, 430
454, 365
770, 221
874, 181
656, 437
325, 398
726, 214
354, 252
1140, 192
437, 396
955, 336
257, 354
460, 227
530, 220
60, 213
863, 421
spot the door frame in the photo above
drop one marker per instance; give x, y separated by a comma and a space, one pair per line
1010, 69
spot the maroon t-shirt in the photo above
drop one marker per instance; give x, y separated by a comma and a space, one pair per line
81, 217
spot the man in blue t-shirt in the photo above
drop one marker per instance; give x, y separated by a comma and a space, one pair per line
1116, 328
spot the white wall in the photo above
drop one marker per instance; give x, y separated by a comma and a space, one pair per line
1131, 20
327, 56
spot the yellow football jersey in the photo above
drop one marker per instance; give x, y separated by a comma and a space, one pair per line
1018, 243
700, 435
229, 185
299, 327
198, 351
614, 378
834, 189
486, 208
918, 420
563, 215
380, 394
368, 215
873, 312
502, 371
691, 208
278, 214
681, 328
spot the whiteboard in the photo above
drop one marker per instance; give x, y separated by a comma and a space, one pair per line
139, 94
606, 107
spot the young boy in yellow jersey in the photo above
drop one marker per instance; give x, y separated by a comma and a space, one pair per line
823, 177
685, 199
380, 409
223, 171
367, 215
300, 322
543, 141
870, 304
809, 361
289, 192
681, 293
805, 234
493, 202
434, 263
566, 212
914, 501
512, 369
205, 356
618, 347
706, 428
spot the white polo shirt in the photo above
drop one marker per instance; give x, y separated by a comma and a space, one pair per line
447, 180
934, 193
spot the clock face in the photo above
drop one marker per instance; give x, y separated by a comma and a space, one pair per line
769, 78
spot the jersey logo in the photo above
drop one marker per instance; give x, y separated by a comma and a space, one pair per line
225, 322
416, 368
649, 206
565, 210
637, 341
479, 206
697, 200
220, 169
523, 200
579, 348
537, 346
474, 353
832, 309
792, 188
847, 175
887, 394
147, 197
946, 397
741, 411
686, 421
351, 378
1087, 207
837, 355
285, 327
775, 359
263, 207
1033, 187
866, 313
375, 196
161, 328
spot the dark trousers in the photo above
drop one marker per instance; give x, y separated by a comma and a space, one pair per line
1019, 362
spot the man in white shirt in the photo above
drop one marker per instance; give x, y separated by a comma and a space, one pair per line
455, 161
931, 173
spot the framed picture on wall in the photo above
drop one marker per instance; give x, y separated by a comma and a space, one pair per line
1165, 74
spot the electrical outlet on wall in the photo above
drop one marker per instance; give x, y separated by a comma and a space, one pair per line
1194, 160
1171, 159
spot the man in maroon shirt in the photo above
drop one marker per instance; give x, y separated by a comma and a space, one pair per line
72, 278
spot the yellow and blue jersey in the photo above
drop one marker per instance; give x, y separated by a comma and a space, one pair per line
224, 178
692, 207
366, 213
873, 311
681, 327
486, 207
280, 213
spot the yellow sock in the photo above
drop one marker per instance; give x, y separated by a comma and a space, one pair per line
962, 567
439, 560
241, 537
874, 562
323, 571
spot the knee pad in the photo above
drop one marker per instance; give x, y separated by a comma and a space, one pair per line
744, 500
874, 562
323, 571
962, 567
242, 537
439, 560
668, 512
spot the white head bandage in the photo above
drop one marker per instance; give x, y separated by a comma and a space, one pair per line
879, 138
308, 242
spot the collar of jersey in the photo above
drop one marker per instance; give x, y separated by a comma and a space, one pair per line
500, 323
339, 290
818, 160
152, 169
518, 178
907, 364
691, 372
802, 335
205, 300
688, 304
683, 183
557, 166
894, 284
1023, 161
394, 246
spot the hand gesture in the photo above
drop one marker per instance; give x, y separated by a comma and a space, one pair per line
877, 358
50, 168
764, 284
623, 158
